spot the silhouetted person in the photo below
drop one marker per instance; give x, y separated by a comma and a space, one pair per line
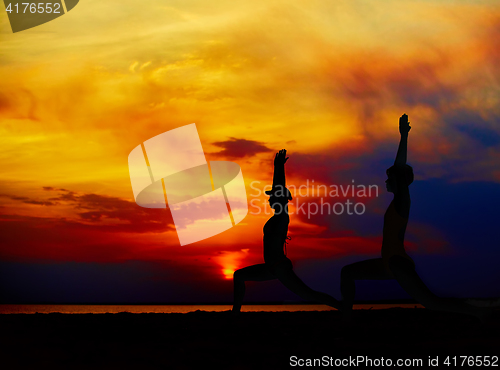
277, 265
395, 263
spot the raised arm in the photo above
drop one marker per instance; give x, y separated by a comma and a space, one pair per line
402, 195
404, 129
279, 181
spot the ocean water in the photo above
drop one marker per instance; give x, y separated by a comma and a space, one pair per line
99, 309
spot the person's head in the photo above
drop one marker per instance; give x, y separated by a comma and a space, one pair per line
278, 198
402, 175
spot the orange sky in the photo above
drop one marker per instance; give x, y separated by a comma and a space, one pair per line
327, 80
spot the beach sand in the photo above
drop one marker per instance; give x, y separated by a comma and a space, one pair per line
252, 340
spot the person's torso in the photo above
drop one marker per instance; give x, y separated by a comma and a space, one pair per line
393, 235
275, 233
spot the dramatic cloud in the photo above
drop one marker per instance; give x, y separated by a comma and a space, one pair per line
28, 200
239, 148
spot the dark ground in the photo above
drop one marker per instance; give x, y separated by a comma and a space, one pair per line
253, 340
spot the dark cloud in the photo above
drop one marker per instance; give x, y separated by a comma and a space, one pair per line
38, 202
29, 200
239, 148
65, 196
474, 127
105, 213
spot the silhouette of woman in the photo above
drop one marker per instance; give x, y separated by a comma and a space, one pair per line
277, 265
395, 263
